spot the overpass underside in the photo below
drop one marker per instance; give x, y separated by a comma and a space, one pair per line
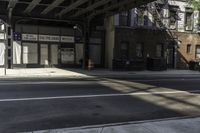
79, 13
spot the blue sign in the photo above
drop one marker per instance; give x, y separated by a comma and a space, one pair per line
17, 36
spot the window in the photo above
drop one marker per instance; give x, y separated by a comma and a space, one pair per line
142, 17
188, 19
197, 51
124, 19
2, 27
139, 50
189, 48
173, 16
159, 50
124, 50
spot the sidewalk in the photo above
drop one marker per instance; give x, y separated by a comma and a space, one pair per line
190, 125
80, 73
39, 72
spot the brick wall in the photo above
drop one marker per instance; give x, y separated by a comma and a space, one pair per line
183, 56
150, 39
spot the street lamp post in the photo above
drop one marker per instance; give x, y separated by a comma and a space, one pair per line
80, 30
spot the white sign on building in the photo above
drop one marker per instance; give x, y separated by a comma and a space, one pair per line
49, 38
67, 39
29, 37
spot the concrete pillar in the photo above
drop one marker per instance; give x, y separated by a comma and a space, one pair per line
9, 47
9, 44
86, 44
109, 41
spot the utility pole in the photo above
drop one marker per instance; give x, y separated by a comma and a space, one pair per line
86, 43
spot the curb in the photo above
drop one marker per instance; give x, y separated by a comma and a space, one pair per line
99, 128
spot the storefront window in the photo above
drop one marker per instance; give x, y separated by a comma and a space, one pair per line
67, 55
2, 51
54, 54
30, 53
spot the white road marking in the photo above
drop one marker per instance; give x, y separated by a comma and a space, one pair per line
43, 83
100, 95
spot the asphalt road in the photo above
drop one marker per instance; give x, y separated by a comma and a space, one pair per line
27, 105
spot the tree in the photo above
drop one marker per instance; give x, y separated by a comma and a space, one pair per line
195, 4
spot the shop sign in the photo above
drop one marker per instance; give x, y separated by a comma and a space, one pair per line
67, 39
49, 38
29, 37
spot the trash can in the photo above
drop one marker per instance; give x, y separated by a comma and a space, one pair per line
194, 65
156, 64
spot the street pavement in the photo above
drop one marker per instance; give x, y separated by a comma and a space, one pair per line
33, 105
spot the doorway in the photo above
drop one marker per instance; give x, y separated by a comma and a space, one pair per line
170, 57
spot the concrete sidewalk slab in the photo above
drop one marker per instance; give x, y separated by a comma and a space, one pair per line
190, 125
40, 72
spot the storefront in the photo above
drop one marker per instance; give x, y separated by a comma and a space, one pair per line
36, 50
44, 46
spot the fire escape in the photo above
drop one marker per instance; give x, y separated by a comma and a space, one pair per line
155, 10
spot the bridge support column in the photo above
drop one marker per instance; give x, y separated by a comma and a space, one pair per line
9, 42
86, 44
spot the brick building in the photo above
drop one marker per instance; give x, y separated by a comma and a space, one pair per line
166, 29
